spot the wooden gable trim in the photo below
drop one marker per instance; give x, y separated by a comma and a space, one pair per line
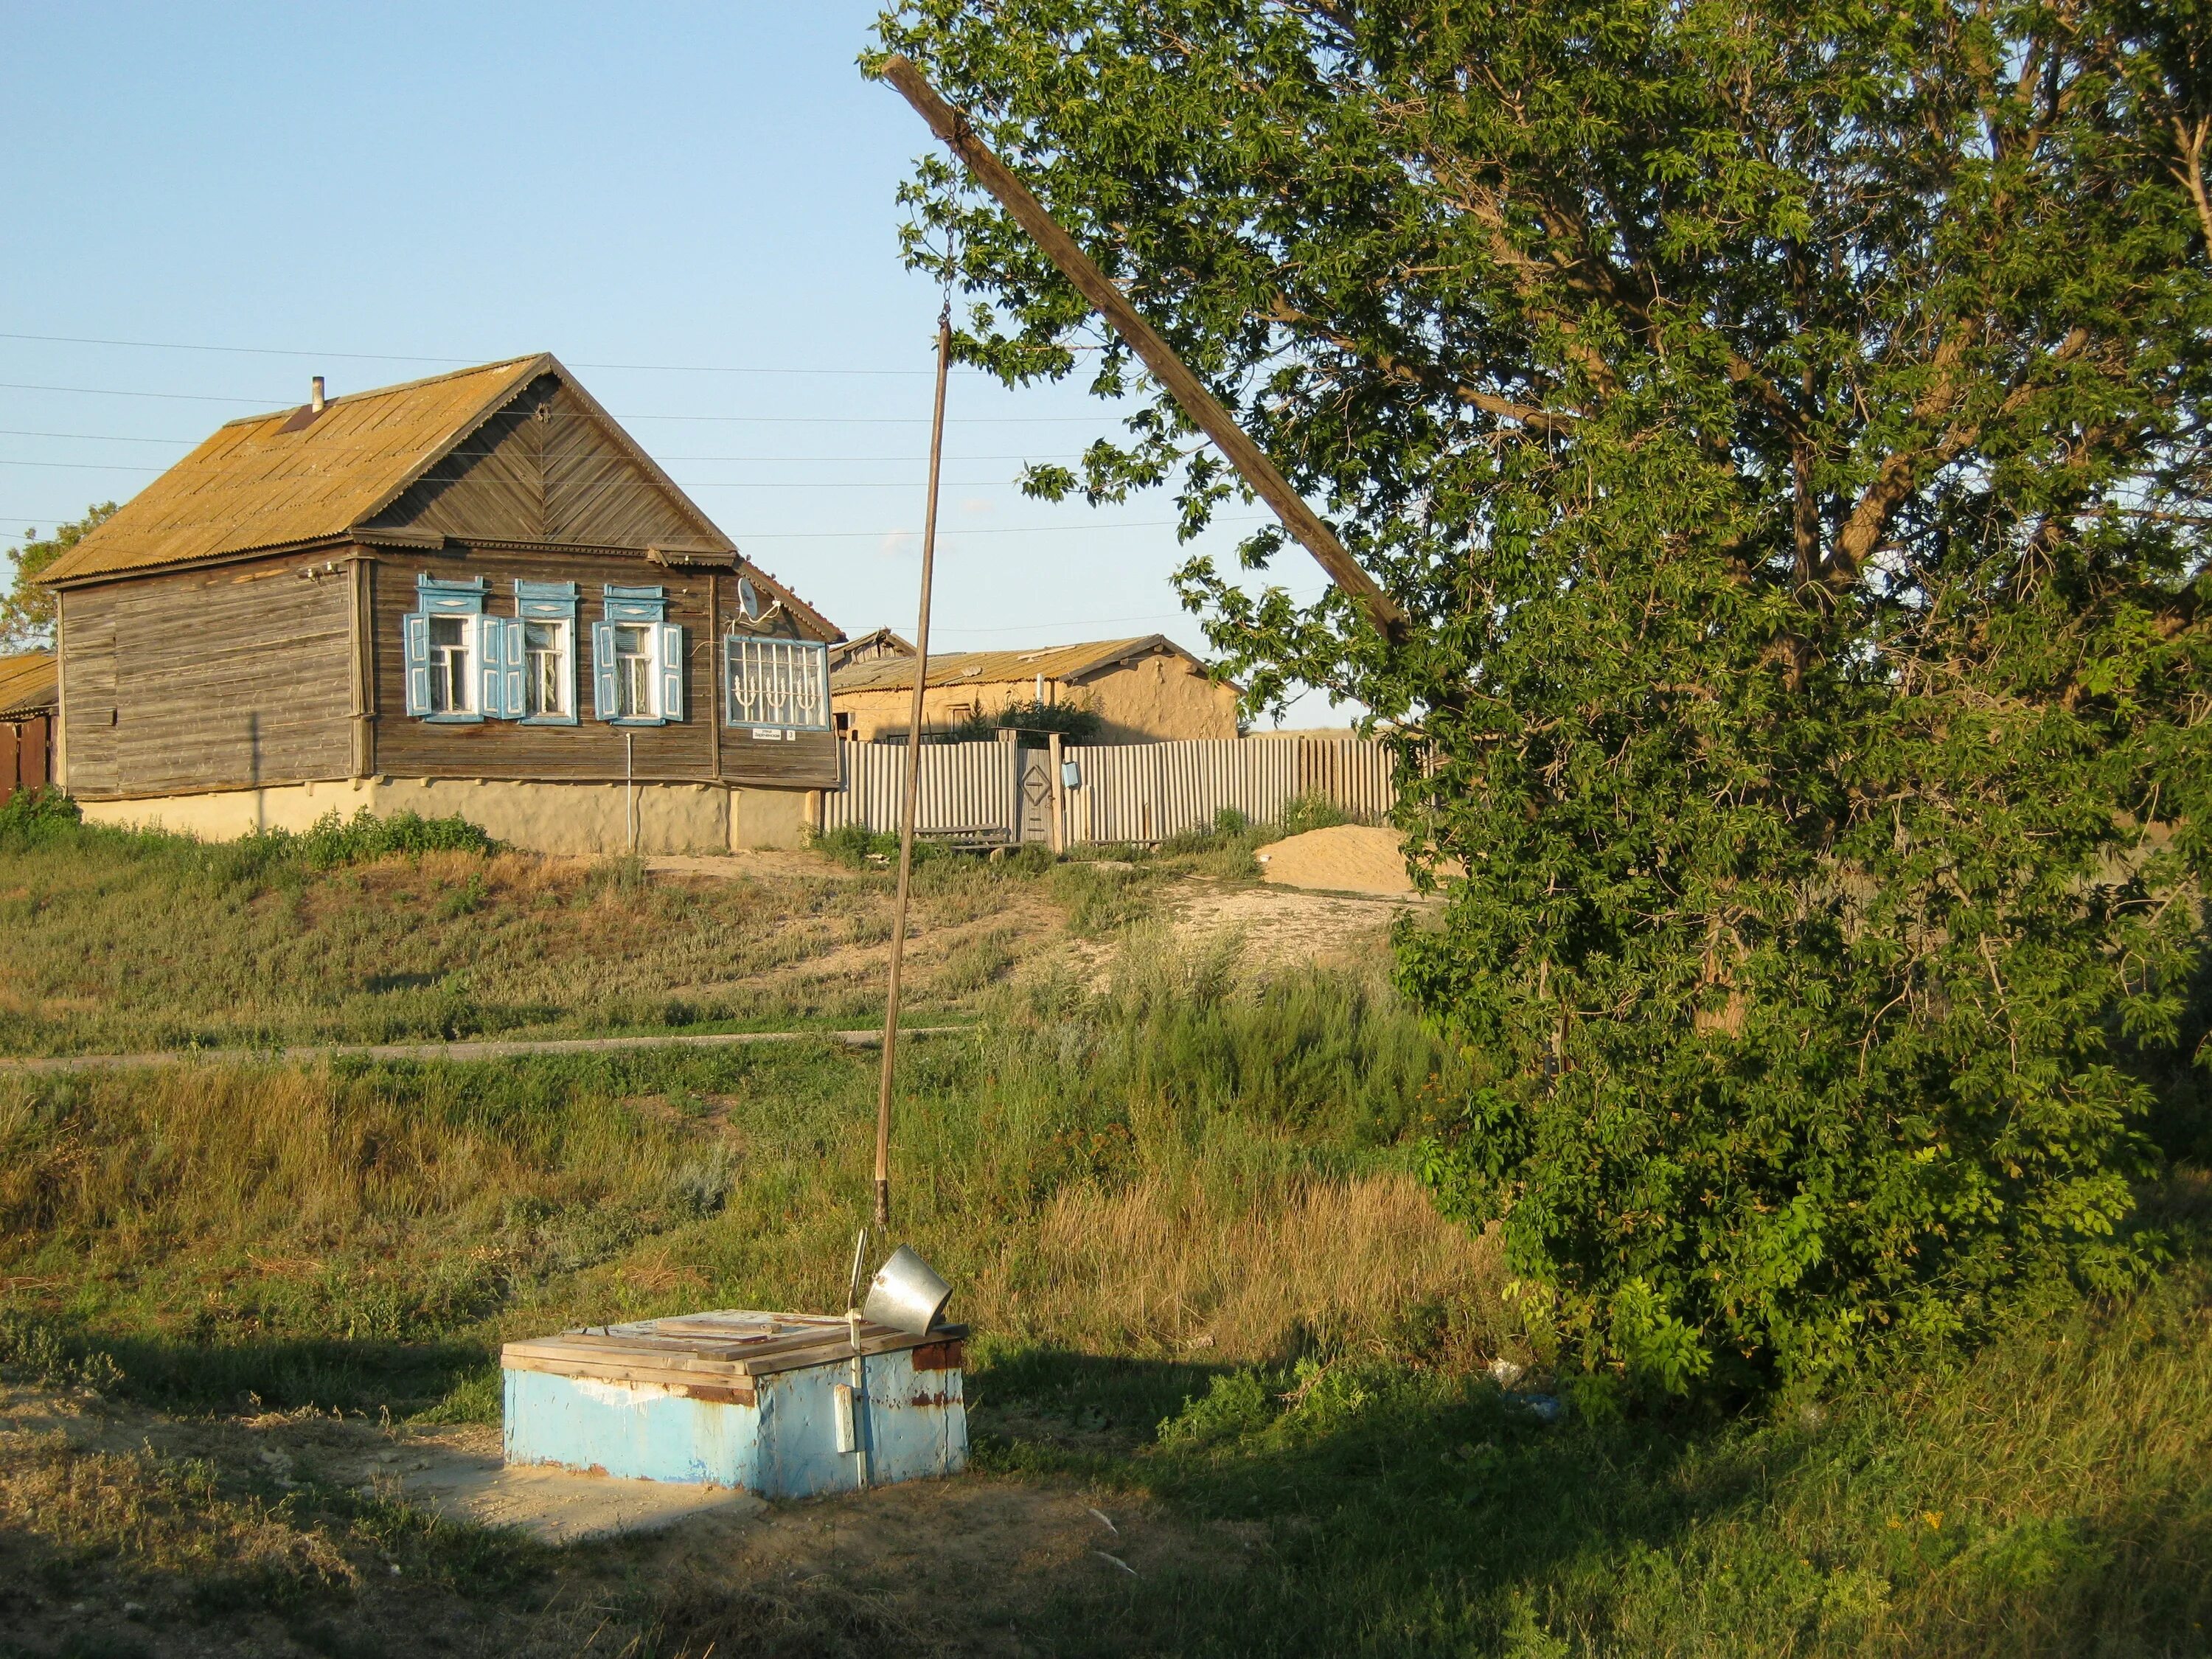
526, 371
612, 430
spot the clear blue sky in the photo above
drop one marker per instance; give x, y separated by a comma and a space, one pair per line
691, 205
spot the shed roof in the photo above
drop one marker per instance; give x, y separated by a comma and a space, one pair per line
285, 479
28, 684
1057, 662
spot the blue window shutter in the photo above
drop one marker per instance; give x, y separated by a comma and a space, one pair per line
511, 668
671, 671
606, 691
415, 632
491, 685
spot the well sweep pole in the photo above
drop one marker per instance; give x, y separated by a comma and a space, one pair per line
911, 801
1205, 411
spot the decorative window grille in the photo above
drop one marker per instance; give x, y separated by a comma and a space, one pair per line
776, 682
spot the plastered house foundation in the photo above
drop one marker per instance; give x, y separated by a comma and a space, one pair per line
588, 819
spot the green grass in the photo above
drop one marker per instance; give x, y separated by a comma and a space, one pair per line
398, 931
1179, 1212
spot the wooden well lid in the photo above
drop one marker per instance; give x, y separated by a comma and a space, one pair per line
728, 1346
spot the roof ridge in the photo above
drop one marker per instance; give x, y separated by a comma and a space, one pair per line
397, 386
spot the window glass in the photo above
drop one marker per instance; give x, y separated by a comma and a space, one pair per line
777, 683
449, 665
545, 667
634, 670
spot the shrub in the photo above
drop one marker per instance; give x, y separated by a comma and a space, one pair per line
860, 848
30, 817
1034, 722
334, 841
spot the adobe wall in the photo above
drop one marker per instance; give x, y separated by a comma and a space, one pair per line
542, 818
1157, 699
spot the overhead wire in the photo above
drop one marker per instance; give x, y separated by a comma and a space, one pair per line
423, 357
264, 404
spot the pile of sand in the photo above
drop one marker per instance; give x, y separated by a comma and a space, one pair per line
1349, 858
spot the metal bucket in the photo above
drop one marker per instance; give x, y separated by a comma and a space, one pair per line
907, 1294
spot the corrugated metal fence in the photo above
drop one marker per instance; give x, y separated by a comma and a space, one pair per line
969, 791
1143, 791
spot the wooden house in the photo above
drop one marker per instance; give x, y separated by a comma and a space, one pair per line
471, 594
1143, 690
28, 700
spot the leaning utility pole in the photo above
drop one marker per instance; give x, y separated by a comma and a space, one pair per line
1203, 407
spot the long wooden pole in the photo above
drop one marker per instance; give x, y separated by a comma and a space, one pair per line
909, 805
1203, 407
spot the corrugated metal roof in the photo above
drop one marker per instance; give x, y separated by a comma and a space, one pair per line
253, 484
1057, 662
28, 683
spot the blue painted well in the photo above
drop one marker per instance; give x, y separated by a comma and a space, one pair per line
914, 1425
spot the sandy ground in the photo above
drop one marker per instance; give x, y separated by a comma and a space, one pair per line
735, 866
1282, 927
1350, 858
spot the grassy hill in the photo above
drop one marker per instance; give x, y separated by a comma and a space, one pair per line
1176, 1203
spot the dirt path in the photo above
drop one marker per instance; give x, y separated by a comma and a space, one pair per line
954, 1565
309, 1054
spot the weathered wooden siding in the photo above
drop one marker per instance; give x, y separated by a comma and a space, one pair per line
211, 679
543, 470
696, 749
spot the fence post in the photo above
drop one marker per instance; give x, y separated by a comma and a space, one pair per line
1058, 795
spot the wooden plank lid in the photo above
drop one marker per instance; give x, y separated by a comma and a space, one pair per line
722, 1346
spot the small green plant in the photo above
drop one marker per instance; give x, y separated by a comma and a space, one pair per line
334, 841
1313, 811
31, 817
858, 848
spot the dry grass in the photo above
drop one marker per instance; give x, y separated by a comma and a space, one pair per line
146, 1513
1173, 1267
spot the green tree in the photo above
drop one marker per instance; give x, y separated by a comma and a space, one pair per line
27, 609
1035, 721
1785, 424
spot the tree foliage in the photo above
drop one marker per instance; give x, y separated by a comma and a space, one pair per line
27, 609
1784, 421
1035, 720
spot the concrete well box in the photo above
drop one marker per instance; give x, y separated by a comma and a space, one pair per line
764, 1401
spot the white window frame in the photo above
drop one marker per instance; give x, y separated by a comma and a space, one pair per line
772, 684
666, 656
455, 665
541, 605
637, 673
444, 599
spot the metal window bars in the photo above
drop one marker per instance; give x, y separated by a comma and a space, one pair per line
782, 683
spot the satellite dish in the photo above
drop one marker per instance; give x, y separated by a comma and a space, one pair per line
749, 598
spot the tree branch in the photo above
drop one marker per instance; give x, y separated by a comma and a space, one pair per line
2190, 170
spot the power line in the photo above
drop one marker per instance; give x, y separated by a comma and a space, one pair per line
15, 516
122, 467
419, 357
779, 420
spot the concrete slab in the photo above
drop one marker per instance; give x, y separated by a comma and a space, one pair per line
560, 1506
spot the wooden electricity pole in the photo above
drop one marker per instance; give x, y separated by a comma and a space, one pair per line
910, 799
1203, 407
